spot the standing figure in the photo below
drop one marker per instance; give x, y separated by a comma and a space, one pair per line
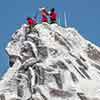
53, 16
31, 22
44, 15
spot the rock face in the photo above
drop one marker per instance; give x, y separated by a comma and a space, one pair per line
51, 63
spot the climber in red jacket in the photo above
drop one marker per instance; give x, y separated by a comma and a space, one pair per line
44, 14
53, 16
31, 22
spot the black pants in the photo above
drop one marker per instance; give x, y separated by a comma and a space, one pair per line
53, 21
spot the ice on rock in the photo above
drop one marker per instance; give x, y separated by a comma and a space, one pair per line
51, 63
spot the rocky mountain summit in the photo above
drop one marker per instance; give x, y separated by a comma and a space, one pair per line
51, 63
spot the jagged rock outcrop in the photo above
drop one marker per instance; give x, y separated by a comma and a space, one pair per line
51, 63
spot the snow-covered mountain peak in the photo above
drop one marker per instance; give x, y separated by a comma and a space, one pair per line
51, 62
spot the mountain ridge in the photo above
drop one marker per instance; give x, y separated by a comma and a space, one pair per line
53, 61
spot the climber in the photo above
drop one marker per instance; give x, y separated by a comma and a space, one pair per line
31, 23
44, 14
53, 16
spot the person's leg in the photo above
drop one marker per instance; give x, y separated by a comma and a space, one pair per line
53, 21
31, 27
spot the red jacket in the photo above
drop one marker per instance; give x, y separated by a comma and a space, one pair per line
44, 14
32, 22
44, 19
53, 16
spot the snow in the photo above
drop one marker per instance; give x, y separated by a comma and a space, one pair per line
64, 45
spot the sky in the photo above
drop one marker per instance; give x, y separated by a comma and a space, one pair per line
84, 15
